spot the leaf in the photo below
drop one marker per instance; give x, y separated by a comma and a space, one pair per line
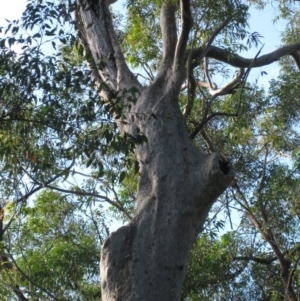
36, 35
122, 176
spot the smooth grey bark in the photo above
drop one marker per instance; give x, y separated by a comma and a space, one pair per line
146, 260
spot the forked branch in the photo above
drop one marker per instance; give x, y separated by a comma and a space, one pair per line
96, 27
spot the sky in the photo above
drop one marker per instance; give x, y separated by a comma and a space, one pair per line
11, 10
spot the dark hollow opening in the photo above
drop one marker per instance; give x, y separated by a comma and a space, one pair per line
224, 165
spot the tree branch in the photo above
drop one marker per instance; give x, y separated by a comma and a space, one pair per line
90, 26
19, 293
207, 118
292, 271
261, 187
256, 259
95, 195
296, 58
99, 36
190, 96
199, 53
210, 85
168, 30
28, 278
186, 25
229, 87
241, 62
208, 141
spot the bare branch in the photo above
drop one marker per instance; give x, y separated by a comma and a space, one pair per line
296, 58
241, 62
199, 84
208, 141
186, 25
191, 96
99, 37
256, 259
279, 155
211, 86
229, 87
168, 30
261, 187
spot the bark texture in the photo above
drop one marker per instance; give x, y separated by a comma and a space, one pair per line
146, 260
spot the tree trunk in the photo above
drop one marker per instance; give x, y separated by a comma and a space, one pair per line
146, 260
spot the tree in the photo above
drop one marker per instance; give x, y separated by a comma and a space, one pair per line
172, 124
51, 250
178, 183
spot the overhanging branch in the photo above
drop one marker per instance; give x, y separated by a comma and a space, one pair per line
95, 195
241, 62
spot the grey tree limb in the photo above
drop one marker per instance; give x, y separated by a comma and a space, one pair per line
168, 30
186, 25
238, 61
96, 27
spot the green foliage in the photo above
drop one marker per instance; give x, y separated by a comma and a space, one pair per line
56, 133
57, 136
142, 36
54, 248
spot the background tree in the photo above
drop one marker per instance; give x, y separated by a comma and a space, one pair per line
51, 250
